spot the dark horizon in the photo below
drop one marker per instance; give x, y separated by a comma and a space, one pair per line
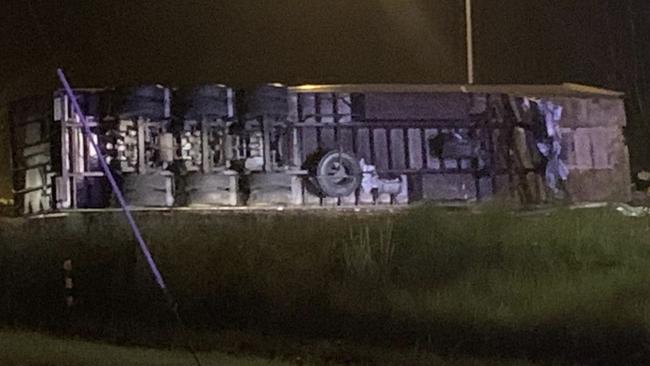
104, 43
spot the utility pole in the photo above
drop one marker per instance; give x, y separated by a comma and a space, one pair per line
469, 42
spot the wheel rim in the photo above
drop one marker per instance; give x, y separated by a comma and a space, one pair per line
338, 174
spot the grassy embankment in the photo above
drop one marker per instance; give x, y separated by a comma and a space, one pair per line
20, 348
33, 349
571, 286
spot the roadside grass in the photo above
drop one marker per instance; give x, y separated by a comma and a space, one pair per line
34, 349
23, 348
568, 286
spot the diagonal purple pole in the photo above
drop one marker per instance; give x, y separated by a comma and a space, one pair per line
116, 190
120, 198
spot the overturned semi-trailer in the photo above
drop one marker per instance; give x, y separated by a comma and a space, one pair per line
320, 145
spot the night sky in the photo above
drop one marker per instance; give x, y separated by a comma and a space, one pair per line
244, 42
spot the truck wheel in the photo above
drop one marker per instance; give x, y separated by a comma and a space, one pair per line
269, 100
146, 101
206, 101
338, 174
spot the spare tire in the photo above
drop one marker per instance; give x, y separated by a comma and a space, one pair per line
338, 174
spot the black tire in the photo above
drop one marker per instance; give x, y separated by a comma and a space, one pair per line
144, 109
208, 189
143, 101
213, 91
94, 192
269, 189
150, 92
146, 190
207, 182
268, 100
206, 101
266, 180
90, 103
338, 174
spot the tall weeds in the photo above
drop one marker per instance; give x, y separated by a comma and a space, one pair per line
369, 255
